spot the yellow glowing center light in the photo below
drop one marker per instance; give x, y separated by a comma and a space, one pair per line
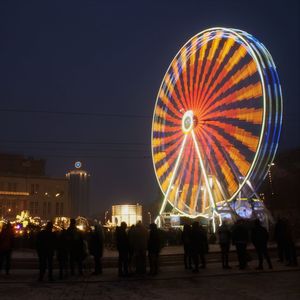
187, 121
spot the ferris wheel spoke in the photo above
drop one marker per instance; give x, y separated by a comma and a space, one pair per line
242, 97
177, 93
227, 84
173, 175
185, 77
235, 154
219, 64
202, 167
224, 172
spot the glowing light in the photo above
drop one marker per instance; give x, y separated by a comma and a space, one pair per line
221, 89
8, 193
78, 164
130, 214
187, 121
80, 227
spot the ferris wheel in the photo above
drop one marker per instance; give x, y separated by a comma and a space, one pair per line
216, 122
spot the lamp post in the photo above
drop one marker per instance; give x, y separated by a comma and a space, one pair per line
270, 178
8, 213
105, 216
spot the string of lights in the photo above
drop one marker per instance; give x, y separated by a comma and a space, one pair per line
72, 142
74, 113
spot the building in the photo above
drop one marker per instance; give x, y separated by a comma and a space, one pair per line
79, 186
131, 214
24, 186
42, 196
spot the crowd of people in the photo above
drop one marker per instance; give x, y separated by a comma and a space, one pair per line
133, 246
137, 244
240, 235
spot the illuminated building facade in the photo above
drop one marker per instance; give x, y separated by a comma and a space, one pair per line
131, 214
24, 186
79, 186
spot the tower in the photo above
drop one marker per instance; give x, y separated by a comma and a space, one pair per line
79, 183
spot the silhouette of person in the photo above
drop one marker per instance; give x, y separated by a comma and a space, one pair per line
45, 246
75, 247
96, 248
224, 235
203, 246
123, 249
154, 247
6, 247
62, 253
140, 248
131, 262
240, 240
199, 245
289, 244
186, 240
260, 237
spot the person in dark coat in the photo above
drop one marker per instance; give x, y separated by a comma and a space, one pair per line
203, 246
6, 246
289, 244
62, 253
154, 247
131, 260
123, 249
224, 235
186, 241
260, 237
140, 243
240, 240
45, 246
75, 247
199, 245
96, 248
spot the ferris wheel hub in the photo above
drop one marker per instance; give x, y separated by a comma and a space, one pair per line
188, 121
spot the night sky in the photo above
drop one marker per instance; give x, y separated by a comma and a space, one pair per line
79, 80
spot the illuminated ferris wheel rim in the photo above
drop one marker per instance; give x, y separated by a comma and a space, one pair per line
255, 56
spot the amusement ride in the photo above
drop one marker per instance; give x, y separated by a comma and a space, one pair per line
216, 126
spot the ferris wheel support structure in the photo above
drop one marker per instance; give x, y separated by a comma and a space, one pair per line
187, 128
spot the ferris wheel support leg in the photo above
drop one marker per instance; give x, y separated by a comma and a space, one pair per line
163, 206
268, 214
252, 189
232, 212
210, 195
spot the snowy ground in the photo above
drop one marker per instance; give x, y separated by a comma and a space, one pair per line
172, 283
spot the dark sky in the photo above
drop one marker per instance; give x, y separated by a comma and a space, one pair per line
109, 57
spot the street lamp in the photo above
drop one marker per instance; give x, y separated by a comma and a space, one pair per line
149, 213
